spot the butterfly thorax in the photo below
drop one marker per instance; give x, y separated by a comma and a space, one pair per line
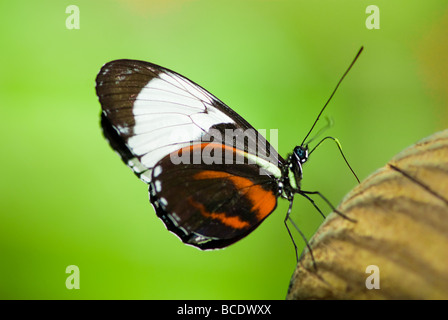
292, 172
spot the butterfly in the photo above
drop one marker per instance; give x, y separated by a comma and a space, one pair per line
212, 177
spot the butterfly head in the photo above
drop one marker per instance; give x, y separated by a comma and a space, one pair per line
300, 154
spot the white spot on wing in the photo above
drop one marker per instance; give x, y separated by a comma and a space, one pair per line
136, 166
163, 202
157, 171
175, 216
158, 185
146, 176
173, 219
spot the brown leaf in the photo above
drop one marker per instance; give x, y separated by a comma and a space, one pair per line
401, 213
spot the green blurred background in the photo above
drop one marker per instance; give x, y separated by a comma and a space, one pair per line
66, 198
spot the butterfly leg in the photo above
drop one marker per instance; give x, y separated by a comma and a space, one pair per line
289, 231
306, 193
303, 193
288, 217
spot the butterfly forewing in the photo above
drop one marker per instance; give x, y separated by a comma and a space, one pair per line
156, 111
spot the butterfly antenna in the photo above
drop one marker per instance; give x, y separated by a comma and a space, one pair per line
340, 150
334, 91
322, 130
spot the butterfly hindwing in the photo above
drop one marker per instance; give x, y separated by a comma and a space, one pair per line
211, 206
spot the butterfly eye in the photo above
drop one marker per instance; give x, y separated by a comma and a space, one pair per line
301, 153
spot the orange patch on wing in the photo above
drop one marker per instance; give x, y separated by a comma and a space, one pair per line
214, 145
263, 201
231, 221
